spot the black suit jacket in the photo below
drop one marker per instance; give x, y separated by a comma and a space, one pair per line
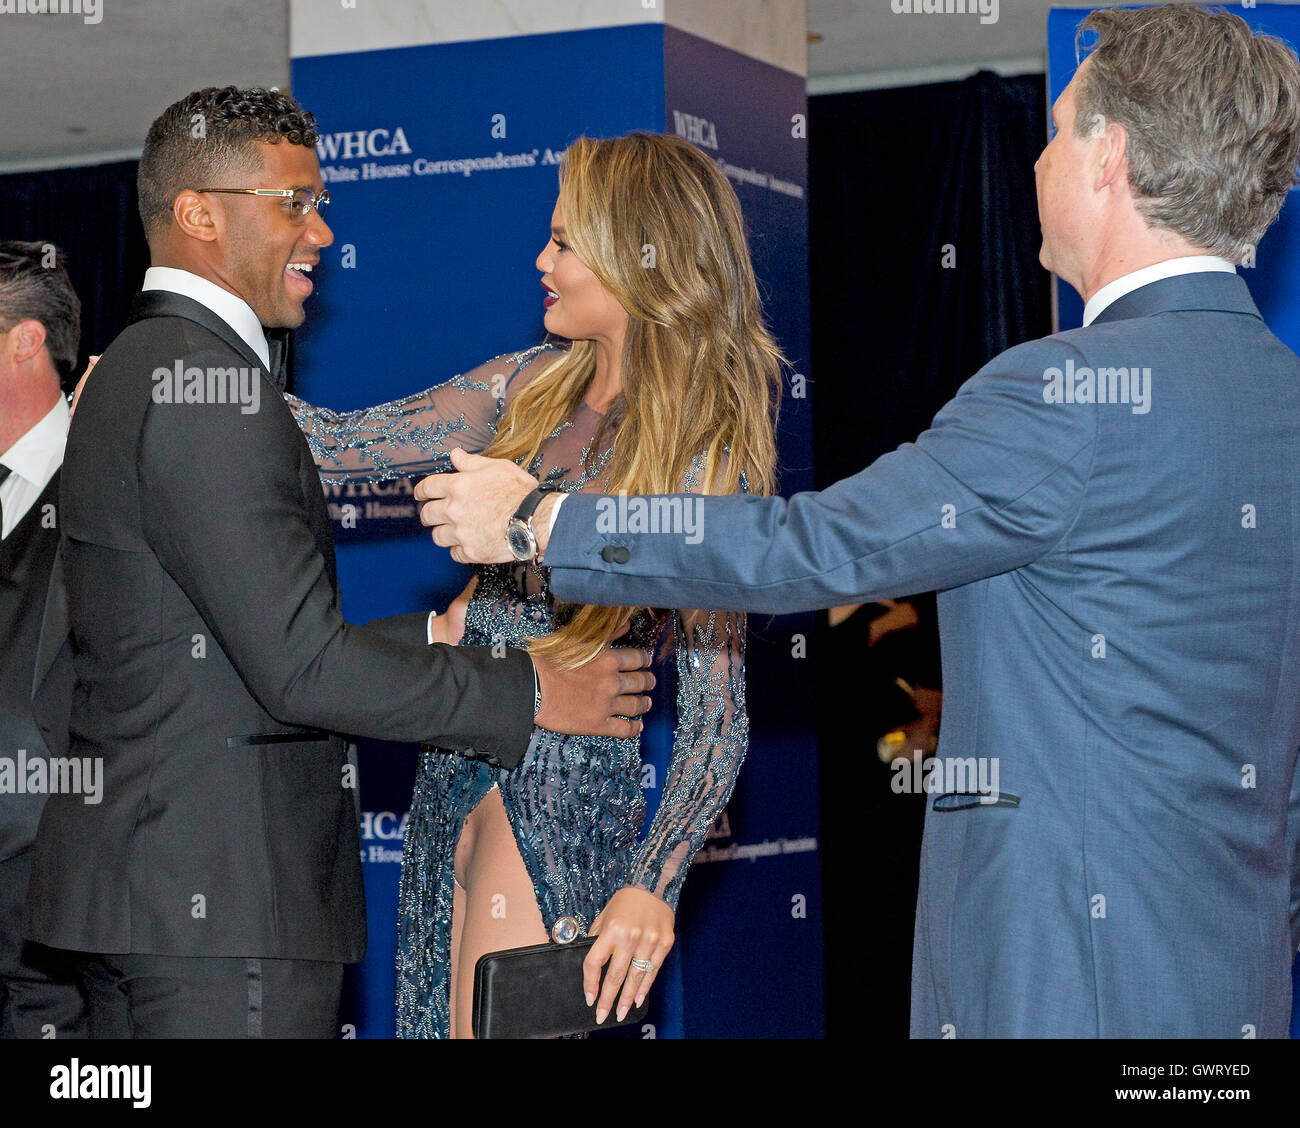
214, 672
26, 557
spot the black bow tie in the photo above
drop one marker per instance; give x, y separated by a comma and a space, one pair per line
277, 343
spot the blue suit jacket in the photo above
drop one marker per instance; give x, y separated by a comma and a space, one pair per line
1120, 619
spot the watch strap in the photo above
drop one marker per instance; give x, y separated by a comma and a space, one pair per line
529, 505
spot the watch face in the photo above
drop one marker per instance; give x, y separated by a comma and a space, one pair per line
520, 540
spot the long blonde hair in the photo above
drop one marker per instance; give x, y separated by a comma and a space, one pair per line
659, 225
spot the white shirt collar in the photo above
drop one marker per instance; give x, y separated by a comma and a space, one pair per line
1127, 283
39, 452
235, 312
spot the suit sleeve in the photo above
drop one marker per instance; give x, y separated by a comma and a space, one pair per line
223, 511
412, 627
992, 485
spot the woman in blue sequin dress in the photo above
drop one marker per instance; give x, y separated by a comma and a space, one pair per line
669, 386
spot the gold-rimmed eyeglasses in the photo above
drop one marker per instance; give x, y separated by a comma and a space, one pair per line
302, 199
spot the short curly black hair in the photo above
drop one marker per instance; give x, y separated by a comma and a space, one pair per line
208, 135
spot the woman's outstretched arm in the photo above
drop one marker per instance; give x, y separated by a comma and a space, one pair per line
416, 434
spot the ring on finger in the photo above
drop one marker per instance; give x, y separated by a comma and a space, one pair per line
643, 965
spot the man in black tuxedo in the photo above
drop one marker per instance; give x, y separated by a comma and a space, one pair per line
40, 322
216, 889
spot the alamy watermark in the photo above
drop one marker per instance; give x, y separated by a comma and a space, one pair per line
947, 775
678, 516
987, 10
1102, 385
76, 1081
57, 775
91, 11
179, 384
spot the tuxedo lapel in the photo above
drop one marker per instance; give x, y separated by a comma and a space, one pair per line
51, 696
163, 303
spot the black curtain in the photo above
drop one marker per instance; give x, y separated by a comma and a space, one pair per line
924, 237
92, 214
895, 176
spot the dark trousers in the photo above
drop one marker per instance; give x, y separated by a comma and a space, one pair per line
40, 993
146, 996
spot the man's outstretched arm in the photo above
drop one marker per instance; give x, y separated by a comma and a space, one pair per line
992, 485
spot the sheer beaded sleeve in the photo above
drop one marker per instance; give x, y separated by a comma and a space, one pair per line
708, 746
416, 435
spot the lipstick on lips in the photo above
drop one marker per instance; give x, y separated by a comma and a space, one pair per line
551, 296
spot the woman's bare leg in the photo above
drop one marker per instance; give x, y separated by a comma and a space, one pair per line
500, 902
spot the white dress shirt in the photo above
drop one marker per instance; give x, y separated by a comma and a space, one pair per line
1127, 283
235, 312
32, 460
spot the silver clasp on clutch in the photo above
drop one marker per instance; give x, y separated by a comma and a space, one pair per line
565, 930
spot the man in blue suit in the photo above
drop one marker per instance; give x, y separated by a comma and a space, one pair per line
1112, 518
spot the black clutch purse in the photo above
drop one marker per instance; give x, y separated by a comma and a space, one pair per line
536, 992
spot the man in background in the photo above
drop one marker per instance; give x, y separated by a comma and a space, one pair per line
40, 319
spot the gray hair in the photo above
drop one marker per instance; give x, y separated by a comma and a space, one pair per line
1212, 113
34, 285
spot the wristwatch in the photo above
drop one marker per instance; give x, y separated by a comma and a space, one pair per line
520, 537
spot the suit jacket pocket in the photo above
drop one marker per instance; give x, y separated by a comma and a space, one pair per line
967, 800
303, 736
